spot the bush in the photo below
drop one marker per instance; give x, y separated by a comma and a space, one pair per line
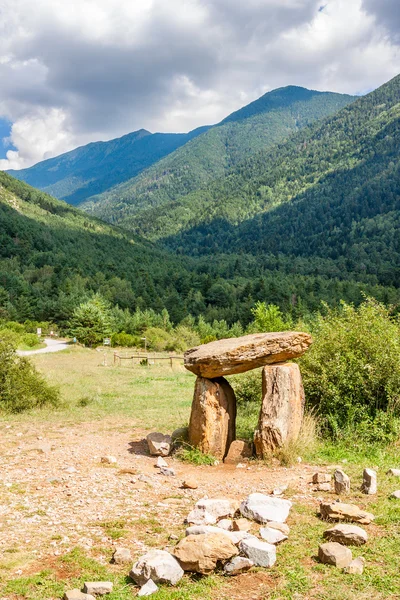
30, 339
351, 373
21, 386
125, 339
91, 321
158, 339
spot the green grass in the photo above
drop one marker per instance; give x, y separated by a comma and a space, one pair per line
193, 455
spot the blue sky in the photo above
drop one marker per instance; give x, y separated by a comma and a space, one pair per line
5, 130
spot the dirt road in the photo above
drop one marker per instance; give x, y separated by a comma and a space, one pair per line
52, 345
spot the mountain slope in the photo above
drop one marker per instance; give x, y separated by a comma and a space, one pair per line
91, 169
268, 120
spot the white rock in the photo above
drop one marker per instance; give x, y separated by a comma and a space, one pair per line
98, 588
122, 556
395, 495
262, 508
168, 472
280, 526
394, 472
77, 595
161, 462
238, 564
272, 536
225, 524
158, 565
148, 588
260, 553
356, 567
370, 482
70, 470
159, 444
108, 460
208, 511
234, 536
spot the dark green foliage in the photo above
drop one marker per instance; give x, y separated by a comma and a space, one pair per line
270, 119
21, 386
91, 322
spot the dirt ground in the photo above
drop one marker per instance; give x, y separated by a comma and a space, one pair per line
56, 494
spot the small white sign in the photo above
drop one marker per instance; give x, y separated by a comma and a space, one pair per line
39, 331
107, 342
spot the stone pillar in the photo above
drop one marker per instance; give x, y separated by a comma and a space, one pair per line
212, 425
282, 408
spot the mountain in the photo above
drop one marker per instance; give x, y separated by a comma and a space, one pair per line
91, 169
268, 120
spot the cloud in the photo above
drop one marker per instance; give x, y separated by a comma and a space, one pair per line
93, 69
387, 14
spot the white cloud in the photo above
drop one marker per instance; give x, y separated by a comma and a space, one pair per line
84, 70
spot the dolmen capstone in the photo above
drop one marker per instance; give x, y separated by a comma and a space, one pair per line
212, 420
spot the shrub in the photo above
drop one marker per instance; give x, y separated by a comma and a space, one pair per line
158, 339
91, 321
351, 373
30, 339
125, 339
268, 318
21, 386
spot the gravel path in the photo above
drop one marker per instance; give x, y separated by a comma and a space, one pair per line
52, 345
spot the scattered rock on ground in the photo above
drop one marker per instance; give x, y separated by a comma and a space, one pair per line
356, 567
261, 553
394, 472
167, 471
148, 588
161, 462
395, 494
77, 595
339, 511
180, 435
225, 524
98, 588
323, 487
190, 484
272, 536
341, 482
237, 355
122, 556
159, 444
238, 564
349, 535
158, 565
238, 450
241, 525
108, 460
200, 553
335, 554
279, 526
234, 536
262, 508
370, 483
321, 477
209, 511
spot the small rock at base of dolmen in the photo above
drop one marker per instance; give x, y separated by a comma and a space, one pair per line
180, 435
238, 564
148, 588
262, 508
122, 556
260, 553
98, 588
321, 477
159, 444
200, 553
238, 451
395, 495
356, 567
339, 511
341, 482
77, 595
370, 482
238, 355
272, 536
335, 554
282, 408
158, 565
349, 535
394, 472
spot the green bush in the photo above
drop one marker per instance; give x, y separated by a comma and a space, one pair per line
91, 321
351, 373
30, 339
158, 339
125, 339
21, 386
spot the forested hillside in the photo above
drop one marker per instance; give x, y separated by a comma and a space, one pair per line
91, 169
52, 257
268, 120
330, 191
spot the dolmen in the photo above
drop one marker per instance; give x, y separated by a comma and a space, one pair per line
212, 426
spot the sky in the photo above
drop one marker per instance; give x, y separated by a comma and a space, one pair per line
86, 70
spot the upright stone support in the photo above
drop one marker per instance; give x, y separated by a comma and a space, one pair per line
212, 425
282, 408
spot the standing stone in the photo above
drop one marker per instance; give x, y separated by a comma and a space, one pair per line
369, 484
282, 408
342, 482
212, 425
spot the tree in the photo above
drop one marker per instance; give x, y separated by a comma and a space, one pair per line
91, 321
268, 318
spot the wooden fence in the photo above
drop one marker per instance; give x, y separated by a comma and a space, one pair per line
146, 359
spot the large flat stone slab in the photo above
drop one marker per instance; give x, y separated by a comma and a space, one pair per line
237, 355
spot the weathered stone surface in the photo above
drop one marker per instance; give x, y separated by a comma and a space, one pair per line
167, 471
321, 478
335, 554
159, 444
272, 536
225, 524
98, 588
190, 484
108, 460
200, 553
208, 511
148, 588
212, 425
238, 451
285, 529
395, 495
349, 535
323, 487
282, 408
180, 435
339, 511
122, 556
238, 564
356, 567
260, 553
241, 525
262, 508
341, 482
370, 482
394, 472
161, 462
158, 565
234, 536
237, 355
77, 595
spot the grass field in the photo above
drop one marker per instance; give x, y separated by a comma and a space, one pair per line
158, 397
